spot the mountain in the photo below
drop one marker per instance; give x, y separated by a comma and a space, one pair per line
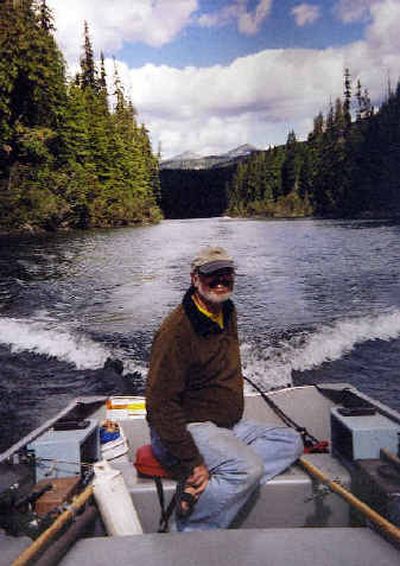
186, 155
189, 160
241, 151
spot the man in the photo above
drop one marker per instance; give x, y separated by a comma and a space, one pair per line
195, 403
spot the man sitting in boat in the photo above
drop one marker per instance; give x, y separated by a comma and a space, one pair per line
194, 401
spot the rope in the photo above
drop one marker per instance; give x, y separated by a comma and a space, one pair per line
71, 462
166, 512
48, 465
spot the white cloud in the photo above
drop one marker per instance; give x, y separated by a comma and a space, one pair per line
305, 14
255, 99
349, 11
259, 98
383, 34
219, 18
248, 21
112, 22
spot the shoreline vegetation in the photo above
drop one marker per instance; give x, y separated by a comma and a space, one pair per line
68, 158
74, 157
349, 167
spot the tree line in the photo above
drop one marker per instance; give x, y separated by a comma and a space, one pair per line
68, 158
349, 165
194, 193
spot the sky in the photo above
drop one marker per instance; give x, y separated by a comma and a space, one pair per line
209, 75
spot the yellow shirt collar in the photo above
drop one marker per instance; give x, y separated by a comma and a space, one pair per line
217, 318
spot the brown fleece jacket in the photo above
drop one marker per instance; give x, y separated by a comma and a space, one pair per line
194, 376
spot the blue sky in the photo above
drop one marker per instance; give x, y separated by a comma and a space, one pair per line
209, 75
201, 46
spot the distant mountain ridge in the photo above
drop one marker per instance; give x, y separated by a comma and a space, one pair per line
190, 160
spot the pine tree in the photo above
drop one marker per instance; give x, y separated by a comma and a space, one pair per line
103, 77
88, 74
65, 159
364, 105
339, 121
45, 17
33, 101
290, 165
347, 98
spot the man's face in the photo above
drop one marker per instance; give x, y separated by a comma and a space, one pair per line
216, 287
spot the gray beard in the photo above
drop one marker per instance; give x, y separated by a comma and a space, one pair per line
212, 297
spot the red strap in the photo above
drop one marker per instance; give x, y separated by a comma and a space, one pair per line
148, 465
319, 448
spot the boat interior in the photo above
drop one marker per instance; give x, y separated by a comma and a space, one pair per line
293, 519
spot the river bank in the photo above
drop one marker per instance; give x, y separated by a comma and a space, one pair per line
29, 230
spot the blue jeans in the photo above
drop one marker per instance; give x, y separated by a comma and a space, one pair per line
239, 460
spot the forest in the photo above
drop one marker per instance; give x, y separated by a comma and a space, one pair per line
200, 193
68, 157
348, 167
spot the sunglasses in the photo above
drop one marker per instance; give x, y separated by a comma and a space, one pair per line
222, 278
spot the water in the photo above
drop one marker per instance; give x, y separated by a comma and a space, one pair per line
318, 301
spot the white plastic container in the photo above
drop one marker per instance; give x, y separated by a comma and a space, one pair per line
115, 504
115, 448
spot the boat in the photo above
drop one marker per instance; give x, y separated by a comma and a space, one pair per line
339, 504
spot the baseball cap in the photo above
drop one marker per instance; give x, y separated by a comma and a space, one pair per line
211, 259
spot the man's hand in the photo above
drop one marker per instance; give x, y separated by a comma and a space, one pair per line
198, 479
194, 486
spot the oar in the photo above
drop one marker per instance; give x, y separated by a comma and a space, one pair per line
389, 528
40, 543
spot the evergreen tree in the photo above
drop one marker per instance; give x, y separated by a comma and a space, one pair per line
45, 17
318, 129
364, 105
65, 159
102, 79
33, 101
290, 167
347, 98
345, 168
88, 74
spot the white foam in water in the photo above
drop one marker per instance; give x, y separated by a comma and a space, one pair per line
273, 366
132, 365
49, 339
331, 343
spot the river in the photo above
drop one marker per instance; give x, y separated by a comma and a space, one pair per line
317, 300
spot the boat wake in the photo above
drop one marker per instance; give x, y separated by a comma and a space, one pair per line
48, 338
272, 364
306, 350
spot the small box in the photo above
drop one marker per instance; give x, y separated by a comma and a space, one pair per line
125, 407
62, 453
62, 489
362, 437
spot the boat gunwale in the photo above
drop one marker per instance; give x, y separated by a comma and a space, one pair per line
30, 437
